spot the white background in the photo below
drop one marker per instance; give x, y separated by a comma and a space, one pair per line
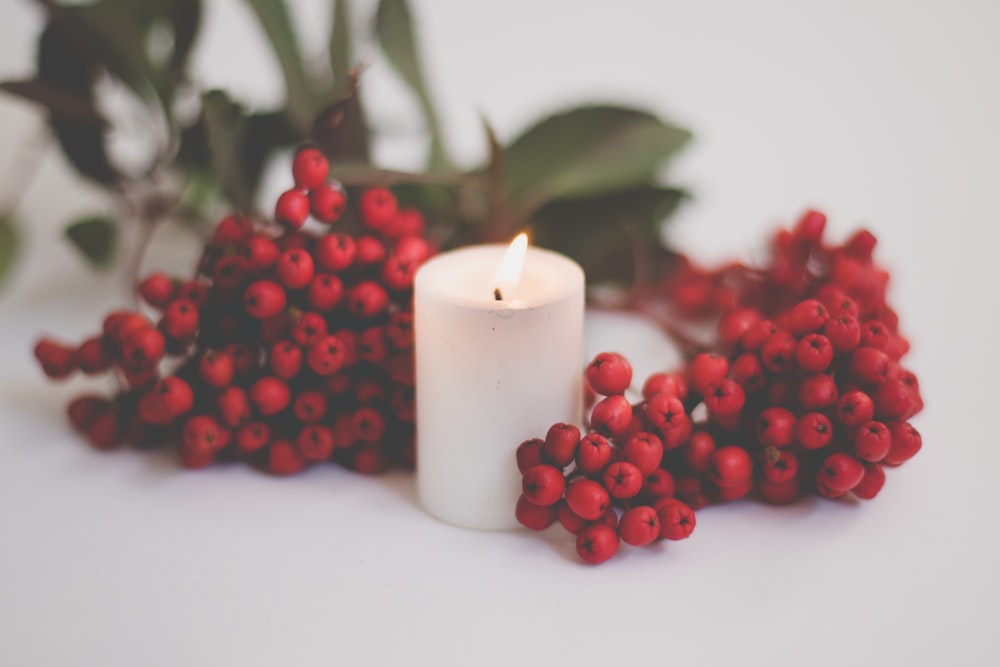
881, 113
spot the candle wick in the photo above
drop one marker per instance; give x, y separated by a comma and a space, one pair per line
497, 296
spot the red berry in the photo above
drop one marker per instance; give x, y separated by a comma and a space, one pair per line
748, 372
180, 320
611, 415
216, 369
543, 485
645, 451
813, 430
92, 356
315, 442
529, 454
855, 408
813, 353
757, 334
398, 274
894, 400
369, 424
778, 493
325, 292
292, 208
779, 466
230, 230
270, 395
691, 492
735, 492
587, 499
639, 526
378, 207
673, 384
335, 252
871, 483
725, 398
295, 269
202, 435
667, 413
283, 458
82, 410
370, 251
872, 441
264, 299
234, 405
158, 290
698, 451
307, 328
623, 480
707, 369
807, 316
817, 391
326, 356
310, 168
593, 454
309, 406
840, 472
609, 373
677, 520
327, 203
568, 519
535, 517
58, 361
775, 427
286, 359
597, 543
778, 352
731, 466
869, 366
660, 484
809, 229
735, 323
561, 444
258, 254
367, 299
906, 442
252, 436
843, 332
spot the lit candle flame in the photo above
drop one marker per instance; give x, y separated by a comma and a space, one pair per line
508, 274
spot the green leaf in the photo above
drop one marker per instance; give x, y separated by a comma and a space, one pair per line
277, 24
10, 245
341, 49
185, 17
224, 122
588, 151
340, 130
58, 101
616, 237
96, 238
394, 28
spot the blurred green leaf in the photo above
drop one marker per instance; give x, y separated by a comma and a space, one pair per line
185, 17
588, 151
260, 136
394, 28
277, 24
224, 121
10, 244
57, 100
341, 49
96, 238
340, 131
615, 236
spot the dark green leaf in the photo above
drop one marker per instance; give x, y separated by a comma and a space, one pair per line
224, 121
262, 134
588, 151
10, 244
277, 24
340, 131
394, 28
95, 237
60, 102
341, 49
615, 237
185, 16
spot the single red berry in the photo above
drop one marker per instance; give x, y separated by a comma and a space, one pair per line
232, 229
315, 442
202, 434
807, 316
840, 472
369, 459
869, 366
561, 442
809, 229
180, 320
813, 430
82, 410
568, 519
735, 323
660, 484
875, 334
252, 436
645, 451
609, 373
378, 207
158, 289
168, 399
270, 395
258, 254
264, 299
295, 269
587, 498
283, 458
310, 168
543, 484
325, 292
309, 406
399, 331
748, 372
529, 454
667, 413
725, 398
677, 520
894, 400
817, 391
705, 370
757, 334
593, 454
871, 483
775, 427
367, 299
691, 491
906, 442
92, 356
872, 441
307, 328
216, 369
233, 404
813, 353
58, 361
335, 252
327, 203
292, 208
673, 384
623, 480
408, 222
597, 543
535, 517
286, 359
734, 492
854, 408
326, 356
778, 352
843, 332
373, 345
698, 451
731, 466
369, 424
370, 390
779, 466
611, 415
778, 493
398, 273
639, 526
371, 251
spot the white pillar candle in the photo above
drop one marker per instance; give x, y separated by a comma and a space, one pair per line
491, 373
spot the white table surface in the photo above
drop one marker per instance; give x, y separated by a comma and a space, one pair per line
881, 113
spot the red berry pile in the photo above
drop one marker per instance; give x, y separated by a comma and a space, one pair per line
287, 348
802, 392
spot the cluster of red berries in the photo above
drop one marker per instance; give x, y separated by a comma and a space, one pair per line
288, 347
803, 393
609, 485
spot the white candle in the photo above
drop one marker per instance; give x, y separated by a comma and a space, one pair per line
491, 373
